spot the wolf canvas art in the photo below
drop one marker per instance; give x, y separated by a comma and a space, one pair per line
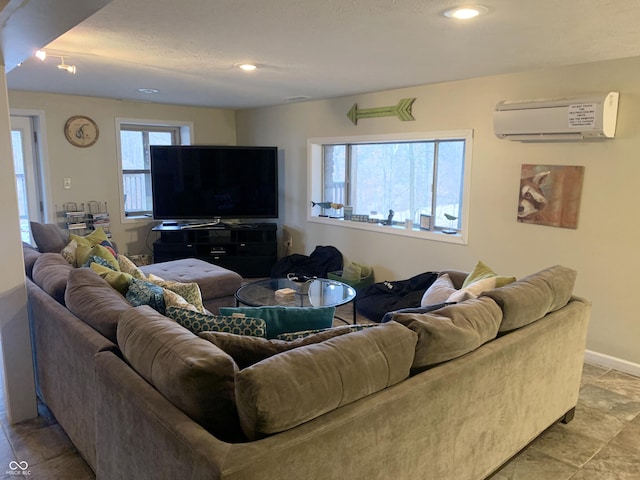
550, 195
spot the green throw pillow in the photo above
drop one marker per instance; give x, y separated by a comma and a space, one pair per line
482, 271
118, 280
287, 319
199, 322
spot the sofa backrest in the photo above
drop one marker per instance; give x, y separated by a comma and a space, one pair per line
192, 373
532, 297
90, 298
50, 272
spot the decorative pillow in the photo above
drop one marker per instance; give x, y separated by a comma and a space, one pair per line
483, 271
200, 322
438, 292
287, 319
189, 291
172, 299
142, 292
190, 372
118, 280
247, 350
473, 290
452, 331
69, 252
83, 253
49, 237
294, 387
126, 265
532, 297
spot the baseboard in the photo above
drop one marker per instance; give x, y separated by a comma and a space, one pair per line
612, 362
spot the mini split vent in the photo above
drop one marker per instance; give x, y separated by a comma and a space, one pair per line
579, 118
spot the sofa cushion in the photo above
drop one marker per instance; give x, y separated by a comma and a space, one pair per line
294, 387
193, 374
197, 322
532, 297
247, 350
452, 331
90, 298
50, 272
49, 237
286, 319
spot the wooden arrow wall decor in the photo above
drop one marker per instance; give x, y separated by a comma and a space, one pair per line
402, 110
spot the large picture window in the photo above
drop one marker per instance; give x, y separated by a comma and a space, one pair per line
404, 178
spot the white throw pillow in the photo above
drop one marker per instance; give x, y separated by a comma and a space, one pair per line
473, 290
438, 292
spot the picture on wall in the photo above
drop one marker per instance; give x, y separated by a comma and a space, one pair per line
550, 195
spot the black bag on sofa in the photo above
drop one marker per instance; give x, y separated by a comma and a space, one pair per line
377, 299
323, 259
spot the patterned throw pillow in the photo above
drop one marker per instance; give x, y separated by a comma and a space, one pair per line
142, 292
189, 291
83, 253
126, 265
342, 329
172, 299
69, 252
199, 322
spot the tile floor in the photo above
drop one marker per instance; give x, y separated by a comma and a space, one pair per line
601, 443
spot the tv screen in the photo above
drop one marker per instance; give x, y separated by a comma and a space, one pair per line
210, 182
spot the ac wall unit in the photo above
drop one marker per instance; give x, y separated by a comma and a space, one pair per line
588, 117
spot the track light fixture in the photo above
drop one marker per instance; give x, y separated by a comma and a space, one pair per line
42, 55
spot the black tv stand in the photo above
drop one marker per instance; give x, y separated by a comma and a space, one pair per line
249, 249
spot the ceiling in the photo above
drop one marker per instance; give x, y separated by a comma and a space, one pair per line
317, 49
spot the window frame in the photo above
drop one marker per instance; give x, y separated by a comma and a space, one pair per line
186, 138
315, 183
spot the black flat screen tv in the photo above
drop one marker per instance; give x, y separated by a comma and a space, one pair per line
214, 182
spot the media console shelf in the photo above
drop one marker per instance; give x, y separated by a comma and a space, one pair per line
248, 249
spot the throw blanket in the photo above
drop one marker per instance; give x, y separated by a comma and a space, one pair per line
377, 299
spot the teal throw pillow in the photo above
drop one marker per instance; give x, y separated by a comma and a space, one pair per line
200, 322
287, 319
142, 292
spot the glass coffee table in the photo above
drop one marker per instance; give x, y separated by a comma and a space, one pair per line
320, 292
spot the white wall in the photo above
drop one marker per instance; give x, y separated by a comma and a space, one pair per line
14, 320
93, 170
603, 249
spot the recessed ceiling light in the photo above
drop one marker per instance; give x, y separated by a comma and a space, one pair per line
148, 91
247, 67
465, 12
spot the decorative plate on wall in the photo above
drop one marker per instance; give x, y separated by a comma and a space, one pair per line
81, 131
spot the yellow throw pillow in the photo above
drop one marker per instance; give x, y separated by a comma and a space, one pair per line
172, 299
126, 265
118, 280
83, 253
94, 238
482, 271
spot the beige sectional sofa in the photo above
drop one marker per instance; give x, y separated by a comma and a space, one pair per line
158, 401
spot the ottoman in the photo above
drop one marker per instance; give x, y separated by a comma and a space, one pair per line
218, 285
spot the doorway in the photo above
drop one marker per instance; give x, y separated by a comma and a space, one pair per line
28, 173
